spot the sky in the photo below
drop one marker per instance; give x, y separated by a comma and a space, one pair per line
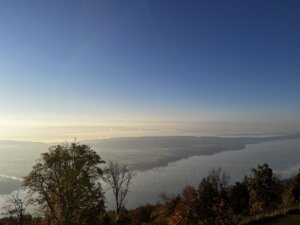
83, 62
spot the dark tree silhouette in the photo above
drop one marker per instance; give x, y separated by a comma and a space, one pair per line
296, 188
265, 189
213, 198
239, 198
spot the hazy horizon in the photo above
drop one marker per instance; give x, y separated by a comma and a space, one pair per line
68, 132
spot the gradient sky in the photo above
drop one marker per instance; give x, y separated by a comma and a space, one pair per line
149, 60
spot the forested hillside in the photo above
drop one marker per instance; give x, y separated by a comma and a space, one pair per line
66, 187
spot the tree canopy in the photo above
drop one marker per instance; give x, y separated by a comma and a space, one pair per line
65, 184
265, 189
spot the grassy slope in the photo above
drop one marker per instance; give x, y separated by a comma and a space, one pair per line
292, 219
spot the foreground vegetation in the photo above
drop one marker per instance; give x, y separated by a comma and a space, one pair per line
291, 219
65, 188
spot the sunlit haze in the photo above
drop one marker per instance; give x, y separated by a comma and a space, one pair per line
92, 63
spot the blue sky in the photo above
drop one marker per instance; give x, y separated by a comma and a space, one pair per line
149, 60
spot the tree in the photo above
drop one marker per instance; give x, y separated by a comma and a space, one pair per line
296, 189
187, 210
208, 205
239, 198
65, 184
214, 205
142, 215
15, 210
118, 177
264, 188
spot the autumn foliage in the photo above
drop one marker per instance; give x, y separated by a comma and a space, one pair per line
65, 185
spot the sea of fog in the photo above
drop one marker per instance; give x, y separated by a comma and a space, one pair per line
283, 156
173, 162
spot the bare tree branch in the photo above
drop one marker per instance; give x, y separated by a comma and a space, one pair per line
118, 177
